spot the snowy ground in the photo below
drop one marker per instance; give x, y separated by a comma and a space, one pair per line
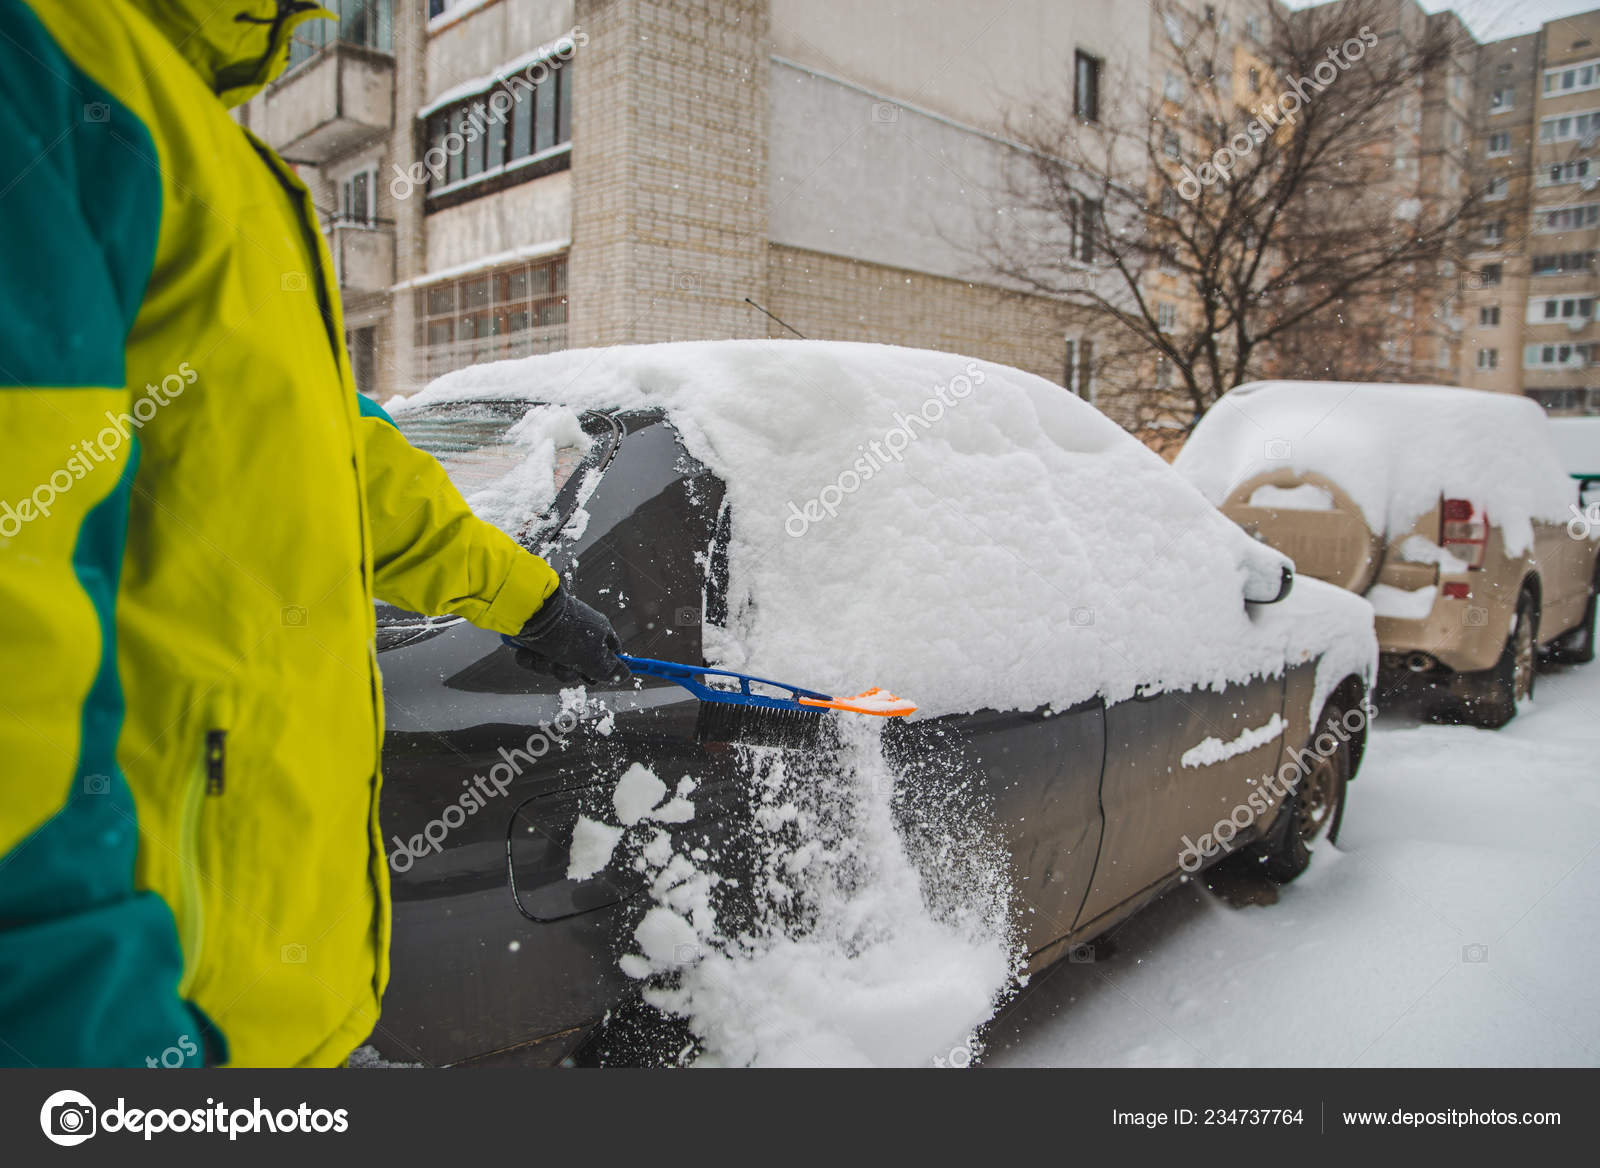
1454, 926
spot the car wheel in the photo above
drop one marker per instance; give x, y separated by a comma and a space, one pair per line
1312, 813
1492, 698
1577, 647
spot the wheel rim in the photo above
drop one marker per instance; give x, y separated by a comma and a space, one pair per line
1522, 659
1315, 806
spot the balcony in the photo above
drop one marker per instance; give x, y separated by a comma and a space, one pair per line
338, 92
363, 258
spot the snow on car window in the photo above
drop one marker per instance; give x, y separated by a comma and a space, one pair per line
509, 461
960, 532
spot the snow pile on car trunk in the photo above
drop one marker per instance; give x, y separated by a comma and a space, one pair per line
1395, 449
963, 533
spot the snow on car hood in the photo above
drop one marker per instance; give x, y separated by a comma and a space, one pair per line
963, 533
1395, 449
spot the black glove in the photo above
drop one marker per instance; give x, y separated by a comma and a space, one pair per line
570, 641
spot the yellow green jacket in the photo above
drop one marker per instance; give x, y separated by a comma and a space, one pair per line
196, 512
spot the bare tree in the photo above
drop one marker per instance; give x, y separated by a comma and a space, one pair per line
1245, 215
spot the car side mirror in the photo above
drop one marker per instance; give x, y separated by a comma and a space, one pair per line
1589, 490
1285, 586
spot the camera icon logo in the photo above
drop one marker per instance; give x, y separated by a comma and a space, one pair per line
96, 784
68, 1118
1475, 618
686, 954
1277, 450
96, 111
294, 616
686, 281
1081, 618
1081, 955
686, 616
293, 282
294, 954
885, 113
1475, 954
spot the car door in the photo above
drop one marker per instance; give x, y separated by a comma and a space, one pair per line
1037, 774
1177, 763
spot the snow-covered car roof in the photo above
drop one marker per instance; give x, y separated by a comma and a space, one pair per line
1394, 448
964, 533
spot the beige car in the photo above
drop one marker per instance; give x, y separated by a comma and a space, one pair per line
1448, 509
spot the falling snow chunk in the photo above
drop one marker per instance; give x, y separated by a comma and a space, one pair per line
637, 794
593, 843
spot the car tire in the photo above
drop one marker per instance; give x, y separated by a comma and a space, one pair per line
1491, 697
1312, 813
1577, 646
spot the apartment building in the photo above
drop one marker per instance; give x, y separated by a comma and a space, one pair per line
504, 177
1532, 284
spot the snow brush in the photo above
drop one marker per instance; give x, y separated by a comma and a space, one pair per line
738, 715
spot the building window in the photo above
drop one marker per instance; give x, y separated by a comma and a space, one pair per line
504, 131
1501, 100
1171, 144
1080, 368
1166, 316
1172, 88
1171, 204
1563, 263
1252, 28
1572, 78
368, 24
1489, 275
1168, 261
1253, 79
1086, 87
1488, 358
1085, 226
1566, 127
358, 198
1561, 173
513, 311
1494, 232
1499, 143
1497, 189
1555, 357
363, 346
1562, 308
1163, 373
1568, 218
1489, 316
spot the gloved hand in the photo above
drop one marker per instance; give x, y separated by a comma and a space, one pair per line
570, 641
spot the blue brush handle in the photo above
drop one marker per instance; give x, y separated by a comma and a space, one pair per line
689, 676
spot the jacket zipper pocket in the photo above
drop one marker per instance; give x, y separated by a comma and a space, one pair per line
207, 781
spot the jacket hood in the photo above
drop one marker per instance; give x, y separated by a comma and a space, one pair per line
237, 46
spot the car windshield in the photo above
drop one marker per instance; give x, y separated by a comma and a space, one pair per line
509, 460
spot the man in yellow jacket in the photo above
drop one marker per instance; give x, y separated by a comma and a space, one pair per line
196, 512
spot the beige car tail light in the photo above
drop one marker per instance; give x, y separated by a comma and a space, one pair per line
1464, 530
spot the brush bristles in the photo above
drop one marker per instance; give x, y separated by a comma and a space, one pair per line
757, 725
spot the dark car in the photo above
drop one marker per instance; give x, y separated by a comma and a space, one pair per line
499, 957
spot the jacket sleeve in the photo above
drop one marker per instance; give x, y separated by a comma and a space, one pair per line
89, 964
431, 554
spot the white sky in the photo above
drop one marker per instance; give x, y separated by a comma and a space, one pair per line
1492, 20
